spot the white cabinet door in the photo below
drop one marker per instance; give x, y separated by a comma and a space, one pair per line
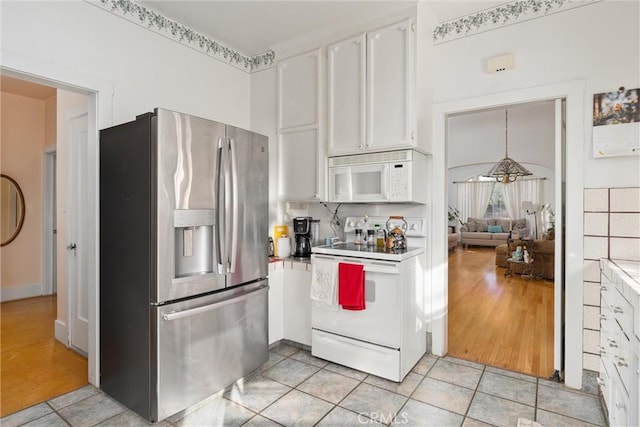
300, 153
297, 306
276, 300
346, 103
298, 95
390, 63
299, 172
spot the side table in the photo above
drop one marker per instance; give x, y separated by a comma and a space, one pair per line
528, 269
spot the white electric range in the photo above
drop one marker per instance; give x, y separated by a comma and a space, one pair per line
388, 337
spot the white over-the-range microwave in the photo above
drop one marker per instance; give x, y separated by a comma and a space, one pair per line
391, 176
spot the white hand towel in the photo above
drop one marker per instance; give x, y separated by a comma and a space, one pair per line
324, 289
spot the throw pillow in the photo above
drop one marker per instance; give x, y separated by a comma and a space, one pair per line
505, 223
482, 226
494, 229
471, 226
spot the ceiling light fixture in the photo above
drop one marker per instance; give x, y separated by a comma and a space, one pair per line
507, 170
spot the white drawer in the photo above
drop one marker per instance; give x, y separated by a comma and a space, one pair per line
377, 360
623, 311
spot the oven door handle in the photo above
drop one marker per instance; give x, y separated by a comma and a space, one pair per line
371, 268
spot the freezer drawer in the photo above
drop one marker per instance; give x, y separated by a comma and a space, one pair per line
208, 343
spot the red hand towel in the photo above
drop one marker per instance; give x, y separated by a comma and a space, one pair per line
351, 286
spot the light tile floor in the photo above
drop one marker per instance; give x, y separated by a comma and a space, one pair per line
296, 389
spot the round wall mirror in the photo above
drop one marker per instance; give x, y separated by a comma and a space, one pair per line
11, 209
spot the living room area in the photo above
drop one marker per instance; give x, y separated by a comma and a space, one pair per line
502, 237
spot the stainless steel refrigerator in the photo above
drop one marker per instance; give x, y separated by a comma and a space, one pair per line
183, 260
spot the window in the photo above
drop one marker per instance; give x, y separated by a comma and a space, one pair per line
496, 207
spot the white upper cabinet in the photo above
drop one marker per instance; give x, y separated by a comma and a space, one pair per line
370, 91
347, 86
300, 152
298, 85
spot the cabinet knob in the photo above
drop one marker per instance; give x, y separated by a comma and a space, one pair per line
603, 316
603, 288
601, 350
613, 344
619, 405
617, 309
413, 135
601, 382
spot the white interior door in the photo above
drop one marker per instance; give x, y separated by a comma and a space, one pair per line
77, 238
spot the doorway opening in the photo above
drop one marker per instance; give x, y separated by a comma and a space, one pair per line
35, 325
568, 310
501, 312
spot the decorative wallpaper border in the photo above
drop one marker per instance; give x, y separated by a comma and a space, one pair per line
158, 23
504, 14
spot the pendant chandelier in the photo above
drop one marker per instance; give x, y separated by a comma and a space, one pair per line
507, 170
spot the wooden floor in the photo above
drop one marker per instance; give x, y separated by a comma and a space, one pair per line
34, 366
499, 321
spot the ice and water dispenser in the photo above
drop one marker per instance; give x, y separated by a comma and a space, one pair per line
193, 230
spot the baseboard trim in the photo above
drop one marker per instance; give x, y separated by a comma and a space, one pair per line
60, 332
28, 290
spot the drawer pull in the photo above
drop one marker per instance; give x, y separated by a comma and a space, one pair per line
621, 362
603, 316
617, 309
601, 350
612, 343
603, 288
619, 405
601, 382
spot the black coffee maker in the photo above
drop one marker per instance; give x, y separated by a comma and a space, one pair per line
302, 232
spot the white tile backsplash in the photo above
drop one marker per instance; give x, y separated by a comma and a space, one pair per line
596, 200
592, 271
596, 247
625, 248
625, 199
596, 223
590, 341
624, 224
591, 293
591, 318
611, 230
590, 362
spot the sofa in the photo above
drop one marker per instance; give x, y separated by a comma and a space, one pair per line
543, 253
492, 231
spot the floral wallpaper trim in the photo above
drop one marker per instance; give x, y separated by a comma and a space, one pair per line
504, 14
158, 23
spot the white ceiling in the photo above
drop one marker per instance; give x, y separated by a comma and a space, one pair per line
255, 26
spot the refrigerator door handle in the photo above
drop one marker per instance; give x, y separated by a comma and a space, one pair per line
234, 205
174, 315
220, 200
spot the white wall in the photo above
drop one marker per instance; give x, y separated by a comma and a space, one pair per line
23, 137
146, 70
567, 51
571, 45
